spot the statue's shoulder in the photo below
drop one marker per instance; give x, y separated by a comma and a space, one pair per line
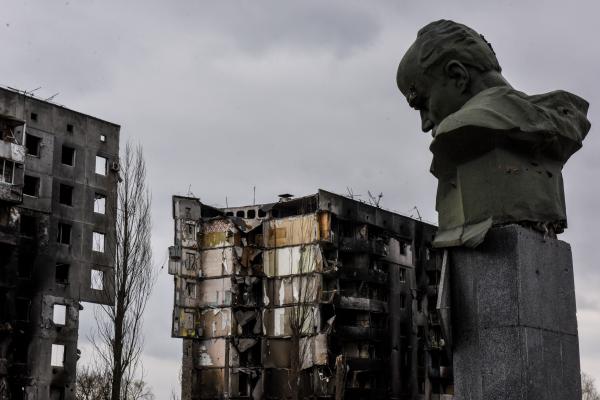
506, 109
555, 122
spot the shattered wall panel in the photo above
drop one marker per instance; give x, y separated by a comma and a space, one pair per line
217, 233
292, 290
292, 260
293, 231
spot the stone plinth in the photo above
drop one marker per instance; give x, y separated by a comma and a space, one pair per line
514, 318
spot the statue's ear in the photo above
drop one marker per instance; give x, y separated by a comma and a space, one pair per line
456, 71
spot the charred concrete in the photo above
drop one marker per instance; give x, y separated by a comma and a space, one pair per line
320, 297
57, 192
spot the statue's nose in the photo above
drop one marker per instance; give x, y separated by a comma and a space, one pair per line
426, 123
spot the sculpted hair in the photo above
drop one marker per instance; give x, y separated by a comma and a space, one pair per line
445, 40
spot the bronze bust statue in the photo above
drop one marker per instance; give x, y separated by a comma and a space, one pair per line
498, 153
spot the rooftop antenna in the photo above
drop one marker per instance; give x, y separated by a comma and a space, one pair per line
375, 200
30, 93
226, 203
254, 196
418, 213
189, 192
52, 97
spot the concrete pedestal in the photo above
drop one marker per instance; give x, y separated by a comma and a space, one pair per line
514, 318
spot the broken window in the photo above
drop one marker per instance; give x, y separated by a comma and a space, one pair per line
26, 261
68, 156
65, 194
229, 214
402, 275
28, 225
279, 321
251, 214
97, 279
7, 171
61, 275
64, 233
59, 314
22, 306
57, 358
70, 128
98, 242
103, 138
261, 214
33, 116
402, 301
99, 203
31, 186
240, 214
101, 165
190, 288
32, 144
189, 229
403, 248
190, 260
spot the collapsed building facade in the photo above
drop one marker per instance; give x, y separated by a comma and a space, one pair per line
58, 177
320, 297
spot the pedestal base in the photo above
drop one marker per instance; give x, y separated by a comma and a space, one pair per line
514, 318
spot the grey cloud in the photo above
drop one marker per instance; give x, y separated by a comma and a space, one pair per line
289, 96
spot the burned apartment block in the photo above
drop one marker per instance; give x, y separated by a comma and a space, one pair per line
57, 195
319, 297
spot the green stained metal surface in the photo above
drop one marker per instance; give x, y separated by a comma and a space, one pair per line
498, 153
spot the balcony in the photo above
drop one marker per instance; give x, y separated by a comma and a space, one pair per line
10, 193
12, 151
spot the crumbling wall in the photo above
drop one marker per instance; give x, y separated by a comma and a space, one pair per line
321, 297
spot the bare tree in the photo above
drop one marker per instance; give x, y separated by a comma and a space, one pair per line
588, 388
118, 339
93, 384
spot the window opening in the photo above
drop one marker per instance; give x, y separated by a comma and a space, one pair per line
97, 279
65, 195
31, 186
58, 355
103, 138
64, 233
70, 128
98, 242
61, 275
101, 165
7, 171
28, 225
190, 288
68, 156
99, 203
33, 116
402, 275
59, 314
32, 144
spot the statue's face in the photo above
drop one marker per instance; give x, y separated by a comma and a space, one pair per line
435, 94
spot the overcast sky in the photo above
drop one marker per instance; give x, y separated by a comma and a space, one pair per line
292, 96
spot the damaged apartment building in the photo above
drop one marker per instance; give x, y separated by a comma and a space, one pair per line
318, 297
58, 177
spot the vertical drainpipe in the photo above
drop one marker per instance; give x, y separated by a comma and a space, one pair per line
395, 324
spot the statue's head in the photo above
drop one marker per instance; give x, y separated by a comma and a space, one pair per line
446, 65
